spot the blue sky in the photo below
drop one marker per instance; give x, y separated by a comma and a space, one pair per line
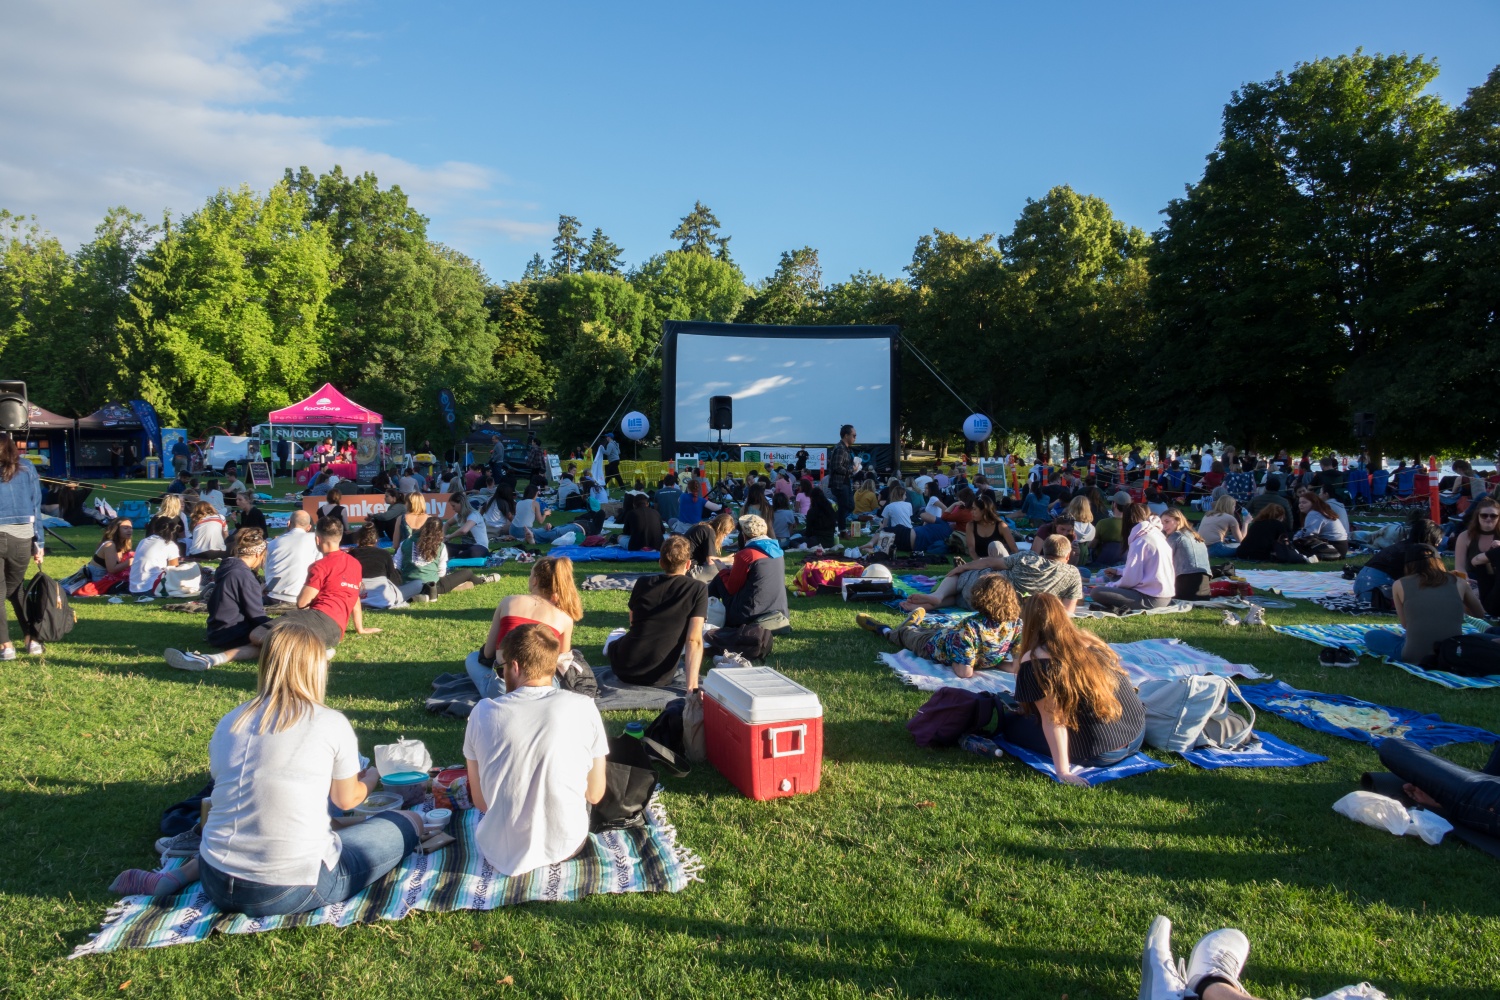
851, 128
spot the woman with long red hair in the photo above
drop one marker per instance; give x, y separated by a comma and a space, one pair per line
1078, 706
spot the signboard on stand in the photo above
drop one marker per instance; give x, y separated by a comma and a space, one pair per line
368, 452
260, 473
554, 468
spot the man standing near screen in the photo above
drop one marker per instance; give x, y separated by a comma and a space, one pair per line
841, 473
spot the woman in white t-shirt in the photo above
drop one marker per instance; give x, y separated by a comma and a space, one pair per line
209, 532
470, 537
269, 846
155, 554
896, 517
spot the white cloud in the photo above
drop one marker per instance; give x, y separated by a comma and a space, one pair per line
154, 105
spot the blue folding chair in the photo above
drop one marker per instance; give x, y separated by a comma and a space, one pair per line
1406, 483
1359, 486
1380, 484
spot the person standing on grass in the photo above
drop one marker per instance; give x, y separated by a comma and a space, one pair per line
21, 538
536, 759
328, 601
841, 473
279, 761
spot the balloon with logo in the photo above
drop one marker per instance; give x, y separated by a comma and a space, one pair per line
977, 427
634, 425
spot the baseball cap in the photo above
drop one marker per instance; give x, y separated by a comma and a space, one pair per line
1122, 499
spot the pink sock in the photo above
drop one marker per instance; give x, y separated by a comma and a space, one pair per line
138, 882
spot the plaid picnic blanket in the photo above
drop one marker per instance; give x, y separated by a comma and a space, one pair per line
1306, 584
455, 878
1353, 637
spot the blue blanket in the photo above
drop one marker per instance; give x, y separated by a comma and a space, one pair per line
1341, 715
1269, 752
1353, 637
1137, 763
604, 553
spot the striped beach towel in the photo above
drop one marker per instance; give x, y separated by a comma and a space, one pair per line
1353, 637
1305, 584
455, 878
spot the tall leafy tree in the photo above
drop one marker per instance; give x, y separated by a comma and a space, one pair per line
698, 232
36, 285
568, 247
227, 309
789, 294
1300, 254
522, 374
536, 268
593, 328
602, 256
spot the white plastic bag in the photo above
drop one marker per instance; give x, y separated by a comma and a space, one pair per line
1359, 991
1391, 816
403, 755
566, 538
716, 613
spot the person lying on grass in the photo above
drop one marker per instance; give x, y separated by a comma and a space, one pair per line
551, 600
328, 601
536, 759
1077, 704
979, 642
268, 845
1047, 571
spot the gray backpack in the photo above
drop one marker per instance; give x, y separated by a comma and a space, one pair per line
1186, 713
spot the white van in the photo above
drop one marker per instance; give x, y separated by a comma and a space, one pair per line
225, 448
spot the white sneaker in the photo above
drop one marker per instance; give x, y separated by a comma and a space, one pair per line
34, 648
1160, 979
179, 660
1220, 953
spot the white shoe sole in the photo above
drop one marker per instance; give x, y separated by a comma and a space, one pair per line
179, 660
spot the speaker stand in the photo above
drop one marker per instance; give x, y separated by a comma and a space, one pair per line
719, 455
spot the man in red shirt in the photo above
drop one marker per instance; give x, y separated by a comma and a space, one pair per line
327, 601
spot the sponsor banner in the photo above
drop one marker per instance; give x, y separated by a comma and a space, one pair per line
360, 506
368, 452
817, 458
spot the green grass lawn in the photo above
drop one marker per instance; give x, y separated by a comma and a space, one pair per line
912, 873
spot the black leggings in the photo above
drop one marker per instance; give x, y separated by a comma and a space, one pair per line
15, 553
1469, 798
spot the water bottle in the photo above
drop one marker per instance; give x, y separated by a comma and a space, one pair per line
636, 729
981, 745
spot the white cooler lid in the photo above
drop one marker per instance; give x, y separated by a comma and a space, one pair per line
758, 695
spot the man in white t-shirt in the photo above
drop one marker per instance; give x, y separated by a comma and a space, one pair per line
920, 483
289, 559
536, 757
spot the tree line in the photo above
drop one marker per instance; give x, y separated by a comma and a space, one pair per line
1340, 254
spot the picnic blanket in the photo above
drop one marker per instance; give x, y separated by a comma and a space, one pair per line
1353, 719
1346, 604
1265, 751
1175, 608
925, 675
1154, 659
602, 553
915, 583
1352, 637
457, 877
1305, 584
1136, 763
611, 581
1146, 659
617, 696
453, 694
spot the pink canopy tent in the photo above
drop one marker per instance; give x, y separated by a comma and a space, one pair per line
326, 406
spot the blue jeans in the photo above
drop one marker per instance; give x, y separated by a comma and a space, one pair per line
1371, 579
843, 499
1223, 550
486, 679
538, 532
371, 849
926, 537
1384, 642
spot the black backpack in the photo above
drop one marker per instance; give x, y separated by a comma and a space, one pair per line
750, 641
48, 615
1475, 655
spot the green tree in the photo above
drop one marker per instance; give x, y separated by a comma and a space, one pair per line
536, 269
788, 295
602, 256
36, 285
594, 337
227, 309
1290, 272
698, 232
522, 375
567, 246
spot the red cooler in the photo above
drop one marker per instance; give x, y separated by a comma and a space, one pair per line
764, 731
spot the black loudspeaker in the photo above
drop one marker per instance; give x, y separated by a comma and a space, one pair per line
1364, 426
15, 412
721, 413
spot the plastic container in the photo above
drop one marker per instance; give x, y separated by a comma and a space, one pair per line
764, 732
410, 785
443, 796
435, 820
375, 803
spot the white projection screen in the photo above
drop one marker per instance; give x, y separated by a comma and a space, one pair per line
790, 385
